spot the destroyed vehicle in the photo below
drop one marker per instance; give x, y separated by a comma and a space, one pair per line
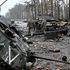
53, 27
47, 28
14, 51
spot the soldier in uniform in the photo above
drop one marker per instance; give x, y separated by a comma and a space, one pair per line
30, 27
44, 26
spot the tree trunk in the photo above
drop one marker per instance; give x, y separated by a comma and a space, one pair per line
45, 7
41, 7
69, 9
51, 7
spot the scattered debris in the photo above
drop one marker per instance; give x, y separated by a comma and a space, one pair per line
56, 50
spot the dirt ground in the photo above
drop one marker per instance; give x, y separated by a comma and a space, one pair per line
44, 47
40, 46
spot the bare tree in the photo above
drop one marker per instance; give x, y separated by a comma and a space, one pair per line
41, 7
69, 9
51, 7
16, 12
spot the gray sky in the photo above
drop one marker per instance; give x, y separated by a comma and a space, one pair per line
9, 4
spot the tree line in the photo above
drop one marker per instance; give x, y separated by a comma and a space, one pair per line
59, 9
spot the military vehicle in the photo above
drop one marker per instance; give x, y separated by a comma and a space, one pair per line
47, 27
56, 28
13, 48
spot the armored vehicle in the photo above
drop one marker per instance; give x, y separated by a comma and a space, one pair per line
14, 49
